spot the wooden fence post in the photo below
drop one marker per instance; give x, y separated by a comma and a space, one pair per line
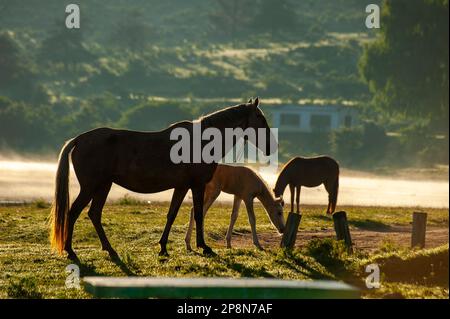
290, 231
341, 228
419, 229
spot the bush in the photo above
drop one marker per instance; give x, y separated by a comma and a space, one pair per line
41, 203
421, 146
361, 146
327, 251
64, 46
346, 143
101, 110
128, 200
23, 126
24, 288
154, 116
16, 76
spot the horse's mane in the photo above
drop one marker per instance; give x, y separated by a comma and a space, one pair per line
287, 164
228, 114
282, 175
265, 196
265, 189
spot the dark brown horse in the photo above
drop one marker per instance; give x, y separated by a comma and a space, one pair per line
309, 172
140, 162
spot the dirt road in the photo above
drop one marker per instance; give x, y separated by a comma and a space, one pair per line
366, 240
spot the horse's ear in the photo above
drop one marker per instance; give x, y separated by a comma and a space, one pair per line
250, 101
280, 200
256, 102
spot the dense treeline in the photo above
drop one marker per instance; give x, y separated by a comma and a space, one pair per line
406, 67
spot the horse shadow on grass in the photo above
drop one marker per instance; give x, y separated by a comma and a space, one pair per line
299, 264
246, 271
89, 269
368, 224
128, 266
325, 218
338, 264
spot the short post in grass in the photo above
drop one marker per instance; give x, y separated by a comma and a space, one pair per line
290, 231
342, 230
419, 228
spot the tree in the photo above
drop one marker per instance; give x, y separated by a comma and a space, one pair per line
16, 77
65, 45
6, 7
10, 67
231, 17
276, 16
133, 32
406, 68
25, 126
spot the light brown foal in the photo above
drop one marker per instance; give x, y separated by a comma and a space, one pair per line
245, 185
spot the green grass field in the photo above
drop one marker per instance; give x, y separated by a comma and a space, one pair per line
30, 270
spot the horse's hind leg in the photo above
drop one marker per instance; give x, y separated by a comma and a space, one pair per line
77, 207
297, 198
95, 214
177, 199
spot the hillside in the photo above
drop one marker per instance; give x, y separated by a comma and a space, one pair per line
145, 64
181, 54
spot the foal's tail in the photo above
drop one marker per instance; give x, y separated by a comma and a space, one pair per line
333, 195
60, 208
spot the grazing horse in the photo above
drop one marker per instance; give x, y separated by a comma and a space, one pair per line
141, 162
245, 185
309, 172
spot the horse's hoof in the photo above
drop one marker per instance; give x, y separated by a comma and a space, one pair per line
113, 255
73, 257
163, 253
208, 251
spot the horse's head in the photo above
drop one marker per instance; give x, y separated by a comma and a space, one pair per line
276, 215
257, 121
278, 190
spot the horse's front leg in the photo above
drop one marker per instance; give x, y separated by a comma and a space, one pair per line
177, 199
210, 196
197, 196
234, 216
252, 221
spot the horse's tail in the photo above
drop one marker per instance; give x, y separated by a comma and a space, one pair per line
60, 208
333, 195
